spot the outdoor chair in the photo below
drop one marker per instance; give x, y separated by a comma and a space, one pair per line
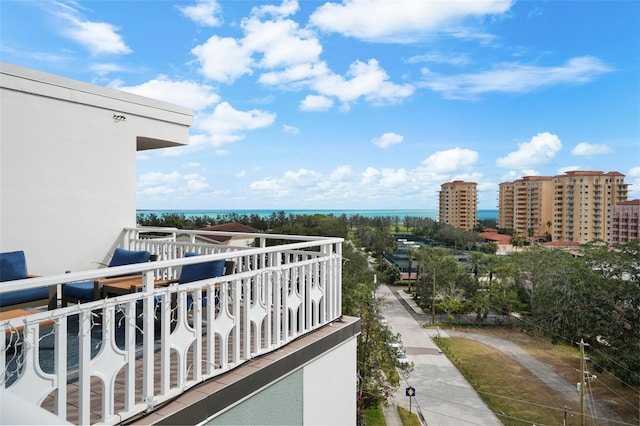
13, 266
199, 272
92, 290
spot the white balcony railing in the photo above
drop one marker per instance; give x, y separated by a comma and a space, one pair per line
108, 360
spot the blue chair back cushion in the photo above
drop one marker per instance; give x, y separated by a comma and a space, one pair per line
201, 271
85, 290
128, 257
13, 266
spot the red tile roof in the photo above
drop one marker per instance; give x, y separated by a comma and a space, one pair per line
226, 227
496, 238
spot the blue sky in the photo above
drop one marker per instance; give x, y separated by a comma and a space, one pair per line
354, 104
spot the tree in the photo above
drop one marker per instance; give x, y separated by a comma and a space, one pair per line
516, 240
452, 279
488, 248
391, 274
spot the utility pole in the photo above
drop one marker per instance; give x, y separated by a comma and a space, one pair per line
582, 382
433, 300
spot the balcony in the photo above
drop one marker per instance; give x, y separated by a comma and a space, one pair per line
119, 358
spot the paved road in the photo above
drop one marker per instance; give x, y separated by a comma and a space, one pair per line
443, 396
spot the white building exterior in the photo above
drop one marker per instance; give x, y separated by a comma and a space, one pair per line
68, 197
68, 164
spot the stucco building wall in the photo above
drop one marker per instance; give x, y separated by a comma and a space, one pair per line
68, 164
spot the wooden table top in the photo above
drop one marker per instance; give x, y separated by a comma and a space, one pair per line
16, 313
129, 284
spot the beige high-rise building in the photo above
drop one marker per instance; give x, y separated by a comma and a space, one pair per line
526, 205
582, 204
459, 204
573, 206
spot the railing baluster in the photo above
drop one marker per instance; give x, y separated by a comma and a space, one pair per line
60, 355
84, 368
130, 347
148, 309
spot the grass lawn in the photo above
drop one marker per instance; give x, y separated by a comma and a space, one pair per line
408, 419
517, 396
373, 416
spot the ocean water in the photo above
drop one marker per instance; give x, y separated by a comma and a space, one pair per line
401, 213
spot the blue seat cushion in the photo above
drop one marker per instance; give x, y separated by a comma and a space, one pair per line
13, 266
201, 271
24, 296
80, 290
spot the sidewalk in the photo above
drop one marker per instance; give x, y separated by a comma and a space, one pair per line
442, 395
391, 415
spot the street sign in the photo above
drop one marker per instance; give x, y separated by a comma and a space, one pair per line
410, 391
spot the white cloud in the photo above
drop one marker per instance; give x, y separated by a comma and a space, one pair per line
367, 80
287, 8
387, 140
103, 69
241, 173
191, 94
154, 184
633, 179
295, 76
289, 56
539, 151
584, 148
157, 178
290, 129
392, 178
205, 12
300, 179
316, 103
223, 59
192, 165
634, 172
269, 185
341, 173
282, 43
226, 123
440, 58
195, 183
401, 21
515, 78
451, 160
98, 37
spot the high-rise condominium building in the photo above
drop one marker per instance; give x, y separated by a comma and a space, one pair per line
526, 205
625, 221
459, 204
573, 206
582, 203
